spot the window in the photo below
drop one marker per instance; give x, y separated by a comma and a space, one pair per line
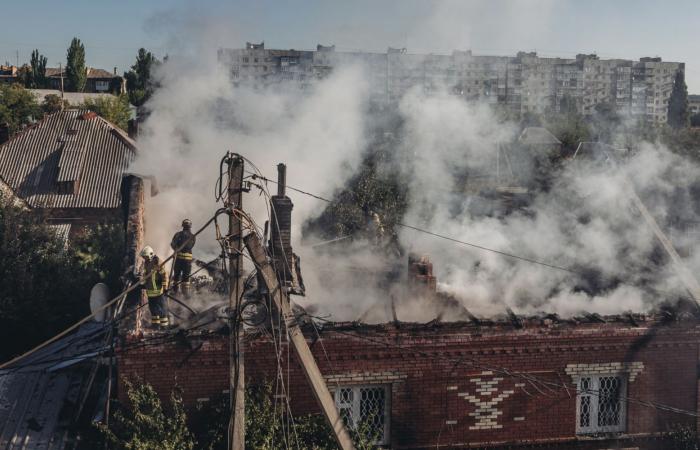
600, 404
365, 408
101, 85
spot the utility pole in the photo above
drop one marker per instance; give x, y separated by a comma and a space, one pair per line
236, 434
298, 341
60, 72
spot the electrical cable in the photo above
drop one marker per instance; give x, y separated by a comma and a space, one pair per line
507, 372
106, 305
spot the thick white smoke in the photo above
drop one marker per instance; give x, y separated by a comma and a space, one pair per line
585, 222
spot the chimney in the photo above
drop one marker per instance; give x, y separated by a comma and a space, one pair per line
4, 133
420, 272
281, 229
133, 130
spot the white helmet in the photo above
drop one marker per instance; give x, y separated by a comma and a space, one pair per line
147, 252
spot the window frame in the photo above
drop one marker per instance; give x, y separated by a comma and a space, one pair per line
594, 427
355, 406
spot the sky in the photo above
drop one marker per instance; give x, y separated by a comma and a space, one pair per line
112, 31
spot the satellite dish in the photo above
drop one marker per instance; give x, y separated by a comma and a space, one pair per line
99, 296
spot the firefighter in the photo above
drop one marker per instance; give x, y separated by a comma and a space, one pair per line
155, 282
183, 259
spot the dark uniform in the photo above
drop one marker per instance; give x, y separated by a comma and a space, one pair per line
183, 260
155, 283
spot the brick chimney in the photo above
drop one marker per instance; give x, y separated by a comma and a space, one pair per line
420, 272
281, 228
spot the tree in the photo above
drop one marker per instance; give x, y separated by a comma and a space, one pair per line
37, 72
114, 109
144, 424
139, 80
45, 281
18, 107
76, 72
678, 103
53, 103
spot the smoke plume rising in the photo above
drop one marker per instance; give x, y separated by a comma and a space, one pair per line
584, 221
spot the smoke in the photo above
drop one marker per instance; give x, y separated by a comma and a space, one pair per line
582, 220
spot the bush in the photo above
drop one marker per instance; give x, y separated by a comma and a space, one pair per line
144, 424
114, 109
45, 282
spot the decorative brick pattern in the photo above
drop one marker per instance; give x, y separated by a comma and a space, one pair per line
365, 378
632, 369
486, 399
427, 367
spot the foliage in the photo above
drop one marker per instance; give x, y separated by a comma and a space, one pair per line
36, 78
43, 280
76, 72
100, 251
684, 437
18, 107
569, 126
145, 425
139, 80
265, 424
114, 109
52, 103
375, 188
678, 103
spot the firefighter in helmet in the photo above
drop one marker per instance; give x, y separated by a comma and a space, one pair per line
183, 242
155, 282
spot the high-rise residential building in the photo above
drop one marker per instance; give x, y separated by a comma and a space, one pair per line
522, 83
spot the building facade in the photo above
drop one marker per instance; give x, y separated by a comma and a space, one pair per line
522, 83
591, 382
71, 168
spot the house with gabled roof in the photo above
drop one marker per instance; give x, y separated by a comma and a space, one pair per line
70, 167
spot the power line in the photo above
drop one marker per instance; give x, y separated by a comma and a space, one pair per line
505, 371
109, 303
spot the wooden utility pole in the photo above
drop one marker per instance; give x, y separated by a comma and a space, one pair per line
236, 432
296, 337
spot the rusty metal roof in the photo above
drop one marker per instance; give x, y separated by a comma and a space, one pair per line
65, 146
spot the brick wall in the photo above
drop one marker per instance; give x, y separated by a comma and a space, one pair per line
447, 386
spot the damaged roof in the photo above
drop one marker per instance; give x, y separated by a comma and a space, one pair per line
70, 145
40, 395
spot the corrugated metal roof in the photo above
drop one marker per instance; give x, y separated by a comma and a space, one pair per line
29, 162
39, 396
70, 162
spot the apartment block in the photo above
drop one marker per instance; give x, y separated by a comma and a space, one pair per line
522, 83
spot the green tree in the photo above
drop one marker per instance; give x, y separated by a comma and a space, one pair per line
568, 125
112, 108
18, 107
139, 80
678, 103
76, 72
37, 72
144, 424
46, 282
52, 103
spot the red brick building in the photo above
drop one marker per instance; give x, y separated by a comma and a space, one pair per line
473, 384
